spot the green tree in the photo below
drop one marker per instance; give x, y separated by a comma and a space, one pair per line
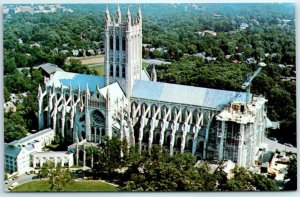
14, 127
59, 177
292, 174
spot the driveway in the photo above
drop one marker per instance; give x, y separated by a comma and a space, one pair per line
273, 145
21, 180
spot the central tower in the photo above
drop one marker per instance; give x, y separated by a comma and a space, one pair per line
123, 49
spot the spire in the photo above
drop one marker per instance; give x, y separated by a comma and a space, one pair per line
107, 16
153, 74
139, 14
87, 91
108, 97
128, 16
118, 15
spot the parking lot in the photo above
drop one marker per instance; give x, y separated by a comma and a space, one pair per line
24, 178
274, 145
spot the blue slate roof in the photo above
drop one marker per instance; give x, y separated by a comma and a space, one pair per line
173, 93
11, 150
75, 79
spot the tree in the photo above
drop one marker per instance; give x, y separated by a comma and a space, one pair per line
92, 151
58, 177
292, 174
14, 127
110, 154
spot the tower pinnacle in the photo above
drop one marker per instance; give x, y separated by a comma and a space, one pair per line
139, 14
128, 16
107, 16
118, 15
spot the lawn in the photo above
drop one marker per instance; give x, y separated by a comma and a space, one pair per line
99, 68
77, 186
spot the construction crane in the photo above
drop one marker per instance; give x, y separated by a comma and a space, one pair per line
247, 84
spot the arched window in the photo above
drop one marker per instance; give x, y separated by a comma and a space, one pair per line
111, 42
157, 138
111, 70
168, 140
179, 142
118, 71
190, 143
123, 71
117, 43
123, 44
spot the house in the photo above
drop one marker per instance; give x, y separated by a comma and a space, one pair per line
202, 33
75, 52
209, 59
200, 55
9, 107
35, 45
64, 52
251, 60
91, 51
227, 56
244, 26
20, 41
48, 69
55, 50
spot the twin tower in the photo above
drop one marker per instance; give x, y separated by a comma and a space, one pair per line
123, 49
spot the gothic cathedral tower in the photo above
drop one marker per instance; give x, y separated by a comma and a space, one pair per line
123, 49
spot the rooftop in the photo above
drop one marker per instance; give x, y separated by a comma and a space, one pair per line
66, 79
11, 150
29, 138
173, 93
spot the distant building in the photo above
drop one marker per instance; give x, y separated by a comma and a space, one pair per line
75, 52
202, 33
91, 52
35, 45
9, 107
64, 52
251, 60
244, 26
48, 69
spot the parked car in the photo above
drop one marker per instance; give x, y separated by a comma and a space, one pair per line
287, 144
273, 139
15, 184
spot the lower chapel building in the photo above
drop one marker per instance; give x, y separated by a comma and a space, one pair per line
126, 102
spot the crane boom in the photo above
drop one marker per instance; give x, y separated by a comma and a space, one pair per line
247, 84
249, 80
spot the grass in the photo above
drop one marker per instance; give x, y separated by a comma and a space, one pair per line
99, 68
145, 65
77, 186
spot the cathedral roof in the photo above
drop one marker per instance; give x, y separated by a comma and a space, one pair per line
190, 95
66, 79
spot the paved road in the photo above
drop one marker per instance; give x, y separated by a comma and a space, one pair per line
273, 145
21, 180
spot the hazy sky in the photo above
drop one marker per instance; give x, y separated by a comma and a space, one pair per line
140, 1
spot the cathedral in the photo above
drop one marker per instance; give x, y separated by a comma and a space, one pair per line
127, 103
